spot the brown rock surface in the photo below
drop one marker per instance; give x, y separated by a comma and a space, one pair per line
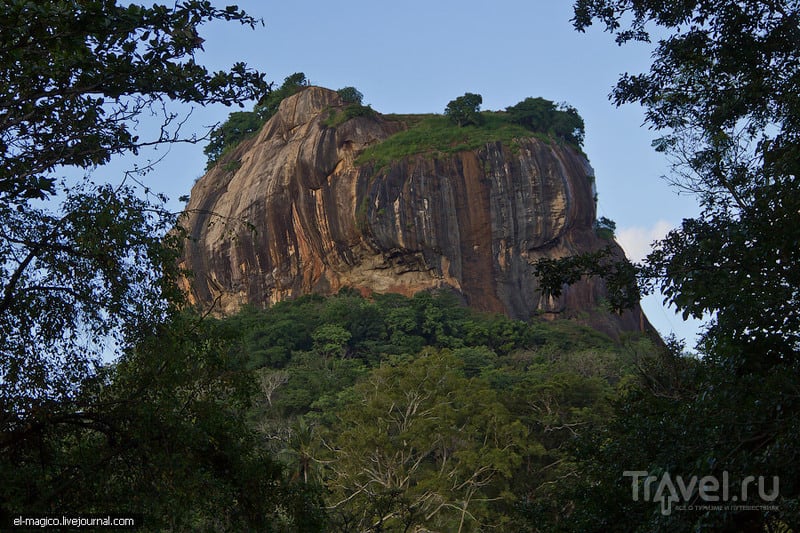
289, 212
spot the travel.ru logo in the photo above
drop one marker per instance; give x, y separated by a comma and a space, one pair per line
708, 489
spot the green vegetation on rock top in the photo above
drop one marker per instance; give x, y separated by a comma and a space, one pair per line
463, 127
437, 134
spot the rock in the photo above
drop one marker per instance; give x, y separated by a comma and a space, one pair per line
290, 212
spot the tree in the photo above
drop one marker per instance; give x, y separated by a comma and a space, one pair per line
330, 340
239, 126
465, 110
98, 272
270, 381
533, 113
421, 445
351, 95
476, 428
568, 125
76, 75
723, 87
723, 90
161, 433
544, 116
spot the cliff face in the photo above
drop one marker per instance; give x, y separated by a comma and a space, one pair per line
290, 213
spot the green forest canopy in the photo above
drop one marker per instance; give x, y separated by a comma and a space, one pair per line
419, 412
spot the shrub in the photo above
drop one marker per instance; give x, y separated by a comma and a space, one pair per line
339, 117
605, 228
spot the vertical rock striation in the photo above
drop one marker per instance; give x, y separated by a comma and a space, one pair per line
290, 212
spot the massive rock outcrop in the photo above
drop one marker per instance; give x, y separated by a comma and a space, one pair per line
290, 212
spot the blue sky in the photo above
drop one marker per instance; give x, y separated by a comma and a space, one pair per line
415, 56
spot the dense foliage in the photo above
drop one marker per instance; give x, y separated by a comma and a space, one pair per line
465, 110
723, 91
420, 413
350, 95
74, 74
161, 434
88, 270
605, 228
541, 115
389, 413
